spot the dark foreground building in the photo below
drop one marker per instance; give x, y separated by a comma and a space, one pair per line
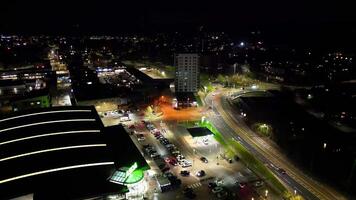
65, 153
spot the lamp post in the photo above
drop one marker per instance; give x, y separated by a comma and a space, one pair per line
352, 173
324, 145
194, 152
266, 194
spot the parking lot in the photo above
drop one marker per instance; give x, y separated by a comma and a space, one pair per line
180, 159
118, 77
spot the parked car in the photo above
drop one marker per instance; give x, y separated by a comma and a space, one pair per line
185, 163
200, 173
169, 175
282, 171
189, 193
175, 152
158, 136
258, 184
212, 185
217, 189
140, 137
154, 155
222, 195
204, 160
184, 173
242, 185
169, 146
171, 160
180, 157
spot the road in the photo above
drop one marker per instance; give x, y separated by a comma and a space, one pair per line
232, 127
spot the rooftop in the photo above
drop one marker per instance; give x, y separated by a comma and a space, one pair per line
199, 131
64, 150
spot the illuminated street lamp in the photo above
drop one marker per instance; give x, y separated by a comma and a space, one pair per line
202, 119
266, 193
324, 145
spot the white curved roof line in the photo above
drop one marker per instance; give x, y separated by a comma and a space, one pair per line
49, 134
55, 170
47, 122
43, 113
53, 149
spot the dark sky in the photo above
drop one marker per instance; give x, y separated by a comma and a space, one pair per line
38, 16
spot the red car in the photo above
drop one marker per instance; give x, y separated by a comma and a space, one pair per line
171, 160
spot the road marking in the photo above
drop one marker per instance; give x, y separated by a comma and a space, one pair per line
195, 185
230, 122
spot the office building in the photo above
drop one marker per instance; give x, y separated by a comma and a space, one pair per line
187, 73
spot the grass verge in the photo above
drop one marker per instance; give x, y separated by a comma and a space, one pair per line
233, 147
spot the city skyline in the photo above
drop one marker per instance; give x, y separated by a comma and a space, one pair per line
251, 100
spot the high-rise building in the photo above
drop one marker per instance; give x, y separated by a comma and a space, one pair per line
187, 72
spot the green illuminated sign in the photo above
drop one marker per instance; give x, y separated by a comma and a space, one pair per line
130, 170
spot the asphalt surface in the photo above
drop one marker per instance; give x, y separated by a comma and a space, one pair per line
231, 127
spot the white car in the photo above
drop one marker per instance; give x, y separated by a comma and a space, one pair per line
141, 138
154, 155
185, 163
206, 141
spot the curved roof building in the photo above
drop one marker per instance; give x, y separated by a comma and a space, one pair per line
65, 152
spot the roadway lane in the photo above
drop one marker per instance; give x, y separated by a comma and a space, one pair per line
228, 126
227, 132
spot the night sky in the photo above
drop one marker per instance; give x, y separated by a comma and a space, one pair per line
38, 16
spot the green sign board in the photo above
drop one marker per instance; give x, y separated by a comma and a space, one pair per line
130, 170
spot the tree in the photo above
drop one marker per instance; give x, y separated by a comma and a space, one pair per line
221, 79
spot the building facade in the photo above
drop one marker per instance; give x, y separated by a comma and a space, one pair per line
187, 72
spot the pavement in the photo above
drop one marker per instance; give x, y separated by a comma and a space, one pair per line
216, 168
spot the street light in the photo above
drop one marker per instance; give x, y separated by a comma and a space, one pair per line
202, 119
266, 193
